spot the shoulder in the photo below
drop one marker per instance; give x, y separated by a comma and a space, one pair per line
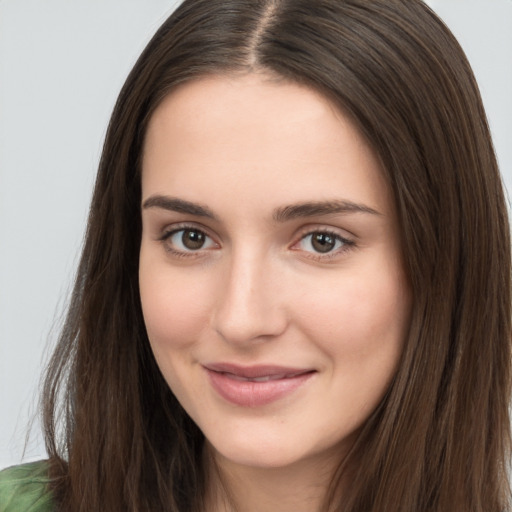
24, 488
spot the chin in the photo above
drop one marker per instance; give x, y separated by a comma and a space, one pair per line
254, 457
267, 452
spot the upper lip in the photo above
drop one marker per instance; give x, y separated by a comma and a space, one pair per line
257, 371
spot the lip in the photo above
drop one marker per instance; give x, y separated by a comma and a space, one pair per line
253, 386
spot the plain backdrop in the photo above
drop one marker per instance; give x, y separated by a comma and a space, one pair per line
62, 64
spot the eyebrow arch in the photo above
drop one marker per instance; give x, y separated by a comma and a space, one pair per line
178, 205
311, 209
283, 214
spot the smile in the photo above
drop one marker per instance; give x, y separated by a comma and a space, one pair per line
257, 379
256, 385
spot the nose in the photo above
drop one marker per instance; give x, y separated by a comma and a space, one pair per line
249, 307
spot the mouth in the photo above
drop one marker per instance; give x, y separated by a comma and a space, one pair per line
253, 386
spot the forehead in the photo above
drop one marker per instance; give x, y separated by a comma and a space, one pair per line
251, 134
248, 102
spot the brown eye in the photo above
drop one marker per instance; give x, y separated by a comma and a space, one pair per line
187, 240
323, 242
193, 239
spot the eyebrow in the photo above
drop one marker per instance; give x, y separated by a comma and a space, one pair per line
178, 205
283, 214
314, 208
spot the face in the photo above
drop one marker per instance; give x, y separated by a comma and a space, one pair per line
270, 275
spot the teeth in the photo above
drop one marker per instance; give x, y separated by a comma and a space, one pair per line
266, 378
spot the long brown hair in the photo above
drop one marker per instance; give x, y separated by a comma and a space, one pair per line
439, 441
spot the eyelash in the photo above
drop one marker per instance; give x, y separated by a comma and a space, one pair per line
346, 244
167, 235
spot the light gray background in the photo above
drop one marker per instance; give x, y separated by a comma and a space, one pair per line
62, 64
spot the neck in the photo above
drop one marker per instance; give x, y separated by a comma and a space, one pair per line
299, 487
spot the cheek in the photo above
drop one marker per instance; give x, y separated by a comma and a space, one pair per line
176, 311
361, 321
174, 306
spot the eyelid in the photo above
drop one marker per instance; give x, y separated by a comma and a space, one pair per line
349, 242
170, 230
338, 232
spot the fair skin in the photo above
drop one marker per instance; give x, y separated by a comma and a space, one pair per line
271, 281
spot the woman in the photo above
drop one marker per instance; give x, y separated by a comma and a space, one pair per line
294, 292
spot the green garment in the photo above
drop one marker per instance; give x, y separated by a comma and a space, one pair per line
24, 489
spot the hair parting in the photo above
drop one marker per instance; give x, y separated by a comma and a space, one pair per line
440, 440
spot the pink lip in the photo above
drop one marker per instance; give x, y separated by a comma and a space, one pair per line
253, 386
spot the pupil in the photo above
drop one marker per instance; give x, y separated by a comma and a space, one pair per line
323, 242
193, 240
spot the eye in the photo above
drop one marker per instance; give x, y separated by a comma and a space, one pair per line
323, 242
186, 240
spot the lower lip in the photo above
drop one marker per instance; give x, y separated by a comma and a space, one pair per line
247, 393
